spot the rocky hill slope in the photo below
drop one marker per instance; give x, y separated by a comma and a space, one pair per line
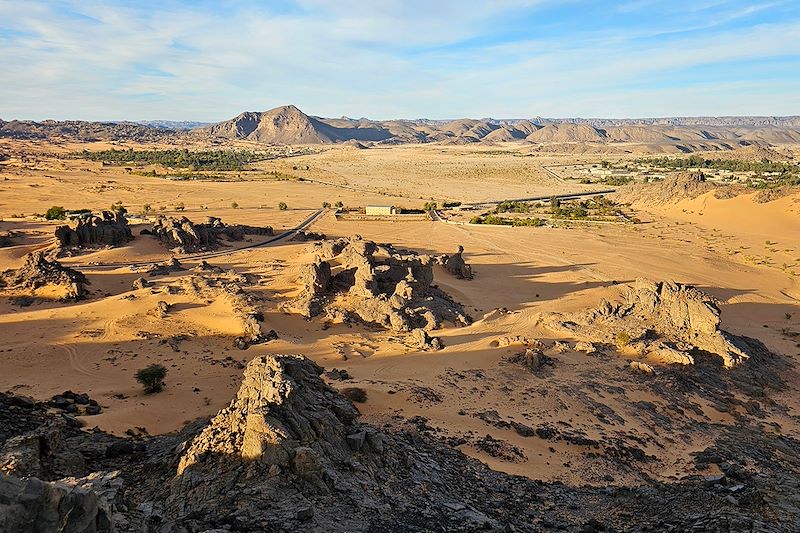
289, 453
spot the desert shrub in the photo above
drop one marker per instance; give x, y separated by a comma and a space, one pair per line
355, 394
152, 378
282, 206
339, 204
430, 206
234, 205
326, 205
451, 204
55, 213
622, 338
512, 207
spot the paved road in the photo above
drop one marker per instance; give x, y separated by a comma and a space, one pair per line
218, 253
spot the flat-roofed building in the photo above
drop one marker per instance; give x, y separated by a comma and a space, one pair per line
381, 210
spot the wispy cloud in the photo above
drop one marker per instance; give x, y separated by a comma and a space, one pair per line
194, 60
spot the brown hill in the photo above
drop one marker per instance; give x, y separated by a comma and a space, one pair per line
567, 133
289, 125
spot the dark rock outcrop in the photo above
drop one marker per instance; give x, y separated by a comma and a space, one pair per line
38, 272
663, 321
184, 236
376, 284
110, 229
34, 506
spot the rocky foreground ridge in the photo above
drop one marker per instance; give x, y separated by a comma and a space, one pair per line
290, 454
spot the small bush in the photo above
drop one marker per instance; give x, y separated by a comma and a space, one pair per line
355, 394
118, 207
55, 213
430, 206
622, 338
282, 206
152, 378
234, 205
339, 204
326, 205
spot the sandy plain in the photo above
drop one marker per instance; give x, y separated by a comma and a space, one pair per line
746, 254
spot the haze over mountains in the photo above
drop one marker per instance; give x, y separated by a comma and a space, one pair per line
289, 125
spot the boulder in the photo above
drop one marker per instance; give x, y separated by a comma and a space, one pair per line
456, 265
33, 506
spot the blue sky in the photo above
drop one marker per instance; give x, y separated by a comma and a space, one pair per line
208, 61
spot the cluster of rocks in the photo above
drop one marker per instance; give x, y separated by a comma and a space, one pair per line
166, 268
357, 279
664, 322
303, 236
289, 454
109, 229
38, 272
184, 236
76, 403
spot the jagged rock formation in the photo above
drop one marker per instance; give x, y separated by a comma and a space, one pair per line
456, 265
293, 437
376, 284
184, 236
663, 321
38, 273
110, 229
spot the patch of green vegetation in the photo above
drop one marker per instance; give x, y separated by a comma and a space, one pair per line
152, 378
495, 220
616, 180
512, 207
180, 158
56, 212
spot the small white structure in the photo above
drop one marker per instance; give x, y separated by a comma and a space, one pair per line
381, 210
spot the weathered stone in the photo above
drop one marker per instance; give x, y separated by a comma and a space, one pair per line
109, 229
38, 272
185, 236
456, 265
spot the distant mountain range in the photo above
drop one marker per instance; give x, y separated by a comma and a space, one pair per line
289, 125
173, 124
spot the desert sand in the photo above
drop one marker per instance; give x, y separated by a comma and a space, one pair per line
743, 253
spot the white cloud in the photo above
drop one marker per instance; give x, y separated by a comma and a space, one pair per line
381, 59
